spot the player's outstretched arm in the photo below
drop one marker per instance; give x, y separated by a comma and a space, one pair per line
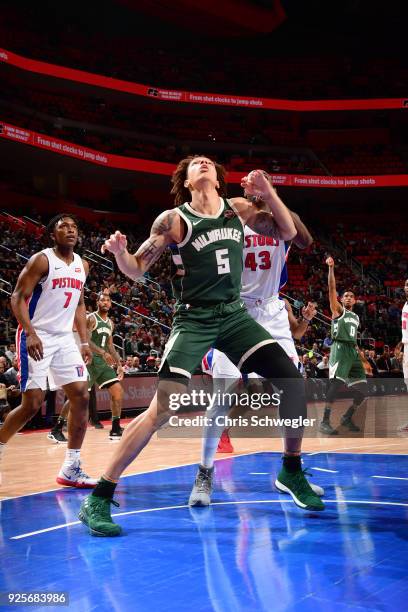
335, 306
35, 269
303, 238
279, 224
165, 230
299, 326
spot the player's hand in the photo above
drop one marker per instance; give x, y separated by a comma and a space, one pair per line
115, 244
309, 311
120, 372
256, 184
87, 354
109, 359
330, 262
34, 346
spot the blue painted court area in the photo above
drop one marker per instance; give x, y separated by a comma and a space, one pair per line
252, 550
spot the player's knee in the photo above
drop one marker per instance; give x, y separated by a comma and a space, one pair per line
79, 398
334, 386
359, 396
31, 406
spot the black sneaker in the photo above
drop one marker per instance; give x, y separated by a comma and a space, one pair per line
98, 425
327, 429
202, 489
348, 422
57, 436
115, 434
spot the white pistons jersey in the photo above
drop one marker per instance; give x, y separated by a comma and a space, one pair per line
54, 300
264, 266
404, 323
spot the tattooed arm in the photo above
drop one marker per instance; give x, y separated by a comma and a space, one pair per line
167, 228
275, 220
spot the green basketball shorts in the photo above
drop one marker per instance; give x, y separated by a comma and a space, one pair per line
100, 373
345, 363
226, 327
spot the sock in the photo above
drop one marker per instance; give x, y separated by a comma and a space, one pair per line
59, 424
292, 463
212, 434
2, 447
115, 422
326, 416
105, 488
206, 471
349, 412
71, 456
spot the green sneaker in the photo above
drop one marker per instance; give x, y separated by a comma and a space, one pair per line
95, 514
297, 486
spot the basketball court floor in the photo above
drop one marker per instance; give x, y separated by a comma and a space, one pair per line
253, 549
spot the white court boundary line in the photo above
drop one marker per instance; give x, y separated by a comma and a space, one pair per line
233, 456
319, 469
228, 503
158, 469
390, 477
356, 447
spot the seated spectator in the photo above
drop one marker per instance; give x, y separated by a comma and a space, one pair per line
323, 367
128, 363
131, 345
135, 367
11, 352
384, 363
396, 362
151, 364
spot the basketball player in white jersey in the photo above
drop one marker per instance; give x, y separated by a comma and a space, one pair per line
47, 300
264, 274
404, 341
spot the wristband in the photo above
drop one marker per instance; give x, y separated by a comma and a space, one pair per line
84, 344
307, 320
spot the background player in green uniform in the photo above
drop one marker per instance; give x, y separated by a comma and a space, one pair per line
101, 372
345, 365
208, 232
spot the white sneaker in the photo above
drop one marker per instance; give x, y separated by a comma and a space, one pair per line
74, 476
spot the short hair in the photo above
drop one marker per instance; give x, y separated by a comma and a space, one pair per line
181, 193
102, 294
348, 291
53, 222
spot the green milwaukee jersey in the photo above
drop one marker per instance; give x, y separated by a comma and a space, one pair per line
344, 328
102, 331
208, 262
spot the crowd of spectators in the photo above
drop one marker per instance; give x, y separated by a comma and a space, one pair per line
142, 312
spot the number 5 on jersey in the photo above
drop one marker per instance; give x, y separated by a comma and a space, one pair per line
223, 264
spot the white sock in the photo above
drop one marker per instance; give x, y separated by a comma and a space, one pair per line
72, 456
212, 435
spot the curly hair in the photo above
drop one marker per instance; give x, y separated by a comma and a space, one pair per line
182, 194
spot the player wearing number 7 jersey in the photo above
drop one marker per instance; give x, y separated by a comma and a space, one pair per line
47, 301
345, 365
206, 230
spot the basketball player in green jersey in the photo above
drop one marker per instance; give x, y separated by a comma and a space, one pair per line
101, 372
208, 233
345, 365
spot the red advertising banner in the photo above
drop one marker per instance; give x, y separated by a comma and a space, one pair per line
62, 147
190, 97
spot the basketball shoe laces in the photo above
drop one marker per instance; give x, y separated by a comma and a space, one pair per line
300, 483
101, 511
79, 472
203, 483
